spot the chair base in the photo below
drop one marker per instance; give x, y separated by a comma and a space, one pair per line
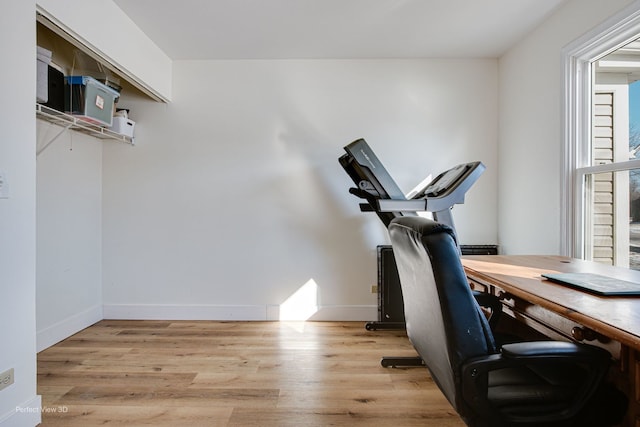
398, 362
374, 326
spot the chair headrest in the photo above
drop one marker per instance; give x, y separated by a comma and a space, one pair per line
423, 226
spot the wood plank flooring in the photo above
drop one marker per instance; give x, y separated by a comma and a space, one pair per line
202, 373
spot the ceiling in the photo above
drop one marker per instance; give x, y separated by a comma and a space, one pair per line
286, 29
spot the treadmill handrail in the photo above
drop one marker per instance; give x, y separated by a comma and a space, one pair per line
416, 205
395, 205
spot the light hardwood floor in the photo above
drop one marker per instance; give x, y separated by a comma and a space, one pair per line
184, 373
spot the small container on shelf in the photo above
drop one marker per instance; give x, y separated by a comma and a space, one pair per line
123, 126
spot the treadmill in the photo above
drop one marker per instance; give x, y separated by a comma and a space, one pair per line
382, 195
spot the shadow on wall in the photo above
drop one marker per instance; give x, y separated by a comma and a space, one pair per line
325, 230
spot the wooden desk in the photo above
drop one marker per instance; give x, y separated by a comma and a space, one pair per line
560, 312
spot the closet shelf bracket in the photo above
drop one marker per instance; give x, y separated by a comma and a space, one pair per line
67, 121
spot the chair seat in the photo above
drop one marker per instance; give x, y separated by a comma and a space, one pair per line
533, 388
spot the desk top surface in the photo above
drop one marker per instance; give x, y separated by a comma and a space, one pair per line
519, 275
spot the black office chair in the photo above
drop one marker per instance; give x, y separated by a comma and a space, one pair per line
525, 383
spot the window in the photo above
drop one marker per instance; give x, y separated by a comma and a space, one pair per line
601, 157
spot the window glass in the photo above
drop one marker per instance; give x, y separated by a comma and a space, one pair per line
611, 235
611, 197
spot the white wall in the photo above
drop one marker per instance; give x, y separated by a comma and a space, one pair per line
17, 215
233, 197
69, 234
530, 128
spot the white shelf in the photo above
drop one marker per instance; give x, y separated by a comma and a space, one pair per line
77, 124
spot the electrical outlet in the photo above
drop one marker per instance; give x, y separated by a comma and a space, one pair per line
374, 289
6, 379
4, 186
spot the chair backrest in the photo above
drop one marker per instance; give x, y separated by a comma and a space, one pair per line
443, 320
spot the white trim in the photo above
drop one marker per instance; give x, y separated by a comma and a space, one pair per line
28, 413
609, 167
346, 313
183, 312
65, 328
576, 121
235, 313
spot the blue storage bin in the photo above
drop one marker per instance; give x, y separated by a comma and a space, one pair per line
89, 99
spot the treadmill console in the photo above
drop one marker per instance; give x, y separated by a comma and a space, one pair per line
448, 181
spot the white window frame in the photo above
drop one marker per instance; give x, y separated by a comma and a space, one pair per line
577, 57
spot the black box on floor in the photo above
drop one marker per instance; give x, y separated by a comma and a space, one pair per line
479, 249
390, 302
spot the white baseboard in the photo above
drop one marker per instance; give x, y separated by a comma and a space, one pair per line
230, 312
344, 313
65, 328
27, 414
183, 312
